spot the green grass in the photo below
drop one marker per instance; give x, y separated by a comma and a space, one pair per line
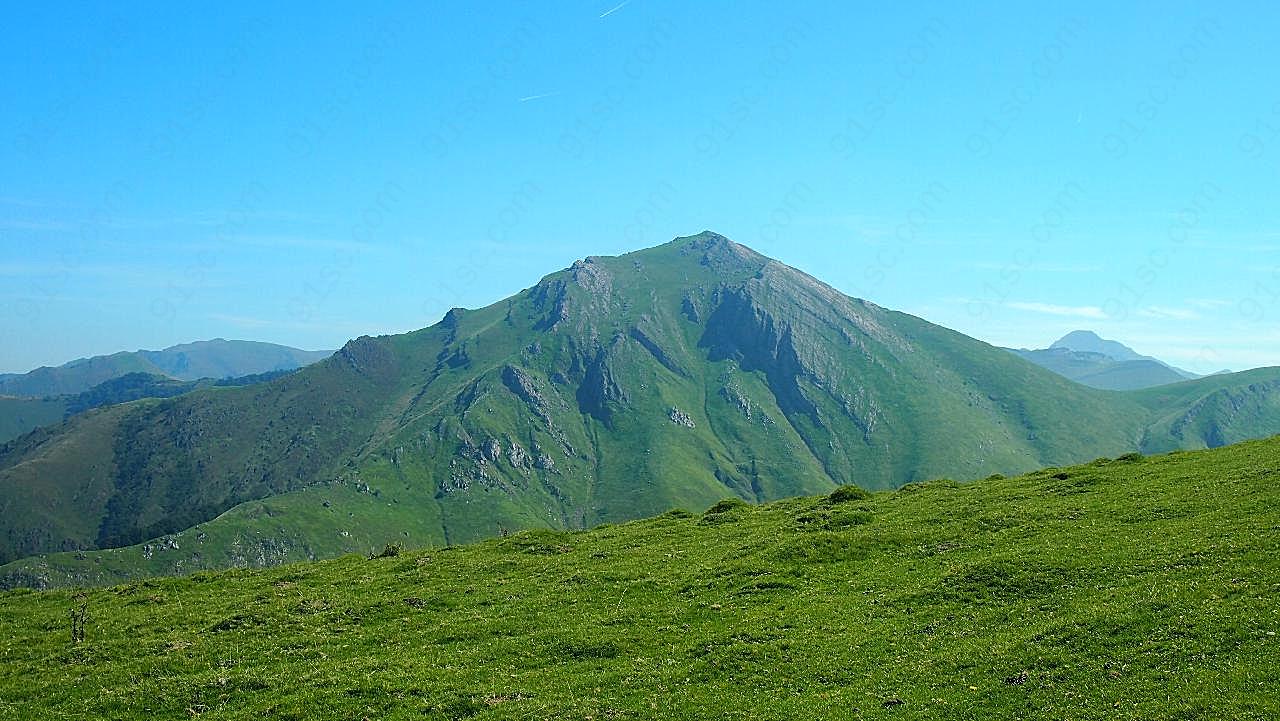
1135, 588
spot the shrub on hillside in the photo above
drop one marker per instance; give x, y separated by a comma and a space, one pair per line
844, 494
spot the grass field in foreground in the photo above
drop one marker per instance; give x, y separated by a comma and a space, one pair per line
1126, 589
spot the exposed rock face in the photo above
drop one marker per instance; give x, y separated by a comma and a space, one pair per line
492, 450
600, 391
369, 356
552, 297
545, 463
517, 456
741, 330
593, 277
519, 382
689, 307
680, 418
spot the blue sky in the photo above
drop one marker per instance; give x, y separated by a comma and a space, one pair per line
305, 176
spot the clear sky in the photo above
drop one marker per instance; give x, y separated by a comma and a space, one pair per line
305, 174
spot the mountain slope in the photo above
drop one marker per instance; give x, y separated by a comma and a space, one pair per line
216, 359
1127, 589
615, 389
1212, 411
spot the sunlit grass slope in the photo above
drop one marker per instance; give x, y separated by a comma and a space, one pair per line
1125, 589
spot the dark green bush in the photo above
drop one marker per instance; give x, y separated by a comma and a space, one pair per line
844, 494
725, 506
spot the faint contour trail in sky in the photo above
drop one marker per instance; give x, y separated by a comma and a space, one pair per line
614, 9
538, 97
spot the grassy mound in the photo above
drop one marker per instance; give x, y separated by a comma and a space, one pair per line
1131, 589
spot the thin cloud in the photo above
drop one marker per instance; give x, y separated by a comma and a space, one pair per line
37, 269
1163, 313
38, 225
1036, 267
302, 242
254, 323
1208, 303
1066, 311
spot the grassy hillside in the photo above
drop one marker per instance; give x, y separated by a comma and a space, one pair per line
125, 473
1126, 589
612, 390
1212, 411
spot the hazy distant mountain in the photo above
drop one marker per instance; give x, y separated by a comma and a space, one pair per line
1088, 359
614, 389
216, 359
1086, 341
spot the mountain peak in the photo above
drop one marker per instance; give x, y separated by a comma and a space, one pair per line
1079, 336
1089, 342
716, 250
1081, 344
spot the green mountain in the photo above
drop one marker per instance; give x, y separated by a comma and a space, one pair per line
1088, 359
19, 416
1127, 589
216, 358
615, 389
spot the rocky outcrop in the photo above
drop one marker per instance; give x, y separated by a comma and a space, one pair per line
680, 418
741, 330
517, 456
369, 357
689, 308
600, 390
592, 277
492, 450
552, 298
522, 384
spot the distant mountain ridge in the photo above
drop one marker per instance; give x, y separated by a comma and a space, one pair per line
215, 359
1086, 341
19, 416
1088, 359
